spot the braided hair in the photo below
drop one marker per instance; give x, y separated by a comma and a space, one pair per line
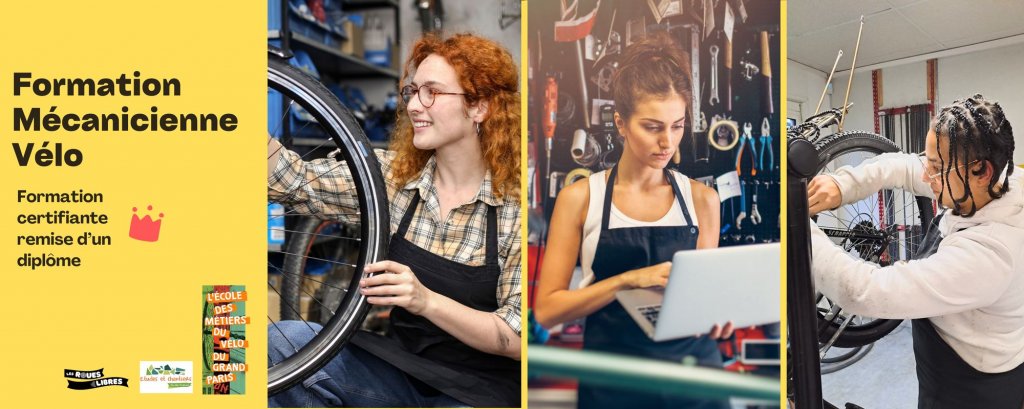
978, 131
654, 66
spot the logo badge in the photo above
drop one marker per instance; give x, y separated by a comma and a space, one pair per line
85, 380
165, 376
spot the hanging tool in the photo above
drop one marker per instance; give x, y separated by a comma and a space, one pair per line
728, 74
755, 216
743, 208
572, 29
727, 26
607, 120
724, 133
827, 82
695, 111
766, 142
748, 70
701, 150
766, 70
714, 75
746, 141
853, 67
575, 175
549, 121
709, 17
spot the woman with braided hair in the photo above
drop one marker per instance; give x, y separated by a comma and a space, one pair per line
964, 289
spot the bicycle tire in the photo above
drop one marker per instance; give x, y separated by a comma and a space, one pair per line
829, 149
357, 154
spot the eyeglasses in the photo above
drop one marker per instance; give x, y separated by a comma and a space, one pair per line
932, 176
426, 98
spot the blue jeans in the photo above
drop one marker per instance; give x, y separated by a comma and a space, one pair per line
353, 378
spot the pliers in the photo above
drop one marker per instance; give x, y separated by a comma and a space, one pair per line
747, 127
766, 141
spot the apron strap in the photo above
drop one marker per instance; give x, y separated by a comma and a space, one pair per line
679, 197
492, 228
606, 210
409, 211
492, 236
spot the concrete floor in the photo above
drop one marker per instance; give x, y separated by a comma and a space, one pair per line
885, 378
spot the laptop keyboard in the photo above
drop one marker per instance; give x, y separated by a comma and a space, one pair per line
651, 313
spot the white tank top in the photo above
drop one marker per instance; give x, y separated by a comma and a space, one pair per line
618, 220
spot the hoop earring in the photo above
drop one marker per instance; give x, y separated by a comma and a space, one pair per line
477, 128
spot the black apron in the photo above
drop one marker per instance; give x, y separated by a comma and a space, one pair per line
433, 359
611, 329
944, 380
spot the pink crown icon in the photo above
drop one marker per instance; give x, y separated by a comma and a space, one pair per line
145, 229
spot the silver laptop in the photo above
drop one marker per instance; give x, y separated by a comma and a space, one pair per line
708, 287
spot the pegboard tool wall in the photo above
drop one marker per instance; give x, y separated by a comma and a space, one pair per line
561, 61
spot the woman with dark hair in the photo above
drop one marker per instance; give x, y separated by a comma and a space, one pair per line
627, 222
965, 288
452, 173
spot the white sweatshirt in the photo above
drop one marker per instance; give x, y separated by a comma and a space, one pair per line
972, 288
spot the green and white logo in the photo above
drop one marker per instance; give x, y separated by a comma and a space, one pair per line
165, 377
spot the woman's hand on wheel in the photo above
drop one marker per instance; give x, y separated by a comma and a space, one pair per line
823, 194
653, 276
395, 285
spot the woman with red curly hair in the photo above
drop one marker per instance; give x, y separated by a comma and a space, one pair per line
452, 172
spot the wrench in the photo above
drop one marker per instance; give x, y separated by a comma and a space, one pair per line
714, 76
755, 216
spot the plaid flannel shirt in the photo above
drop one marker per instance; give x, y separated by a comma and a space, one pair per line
324, 188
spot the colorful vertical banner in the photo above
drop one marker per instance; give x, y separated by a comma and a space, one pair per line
224, 342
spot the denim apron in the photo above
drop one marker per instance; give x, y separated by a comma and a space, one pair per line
611, 329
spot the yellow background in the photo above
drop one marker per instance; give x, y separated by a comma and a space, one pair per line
134, 301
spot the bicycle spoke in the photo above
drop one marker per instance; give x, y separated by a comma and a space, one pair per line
320, 259
280, 124
297, 213
274, 324
308, 278
321, 145
297, 313
317, 234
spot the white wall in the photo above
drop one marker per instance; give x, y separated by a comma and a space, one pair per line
859, 117
995, 73
904, 85
804, 86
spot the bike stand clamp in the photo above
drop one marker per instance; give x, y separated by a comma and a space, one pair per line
805, 378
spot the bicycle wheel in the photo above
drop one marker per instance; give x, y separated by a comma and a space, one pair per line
325, 118
883, 229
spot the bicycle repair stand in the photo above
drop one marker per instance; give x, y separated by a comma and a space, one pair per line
805, 376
